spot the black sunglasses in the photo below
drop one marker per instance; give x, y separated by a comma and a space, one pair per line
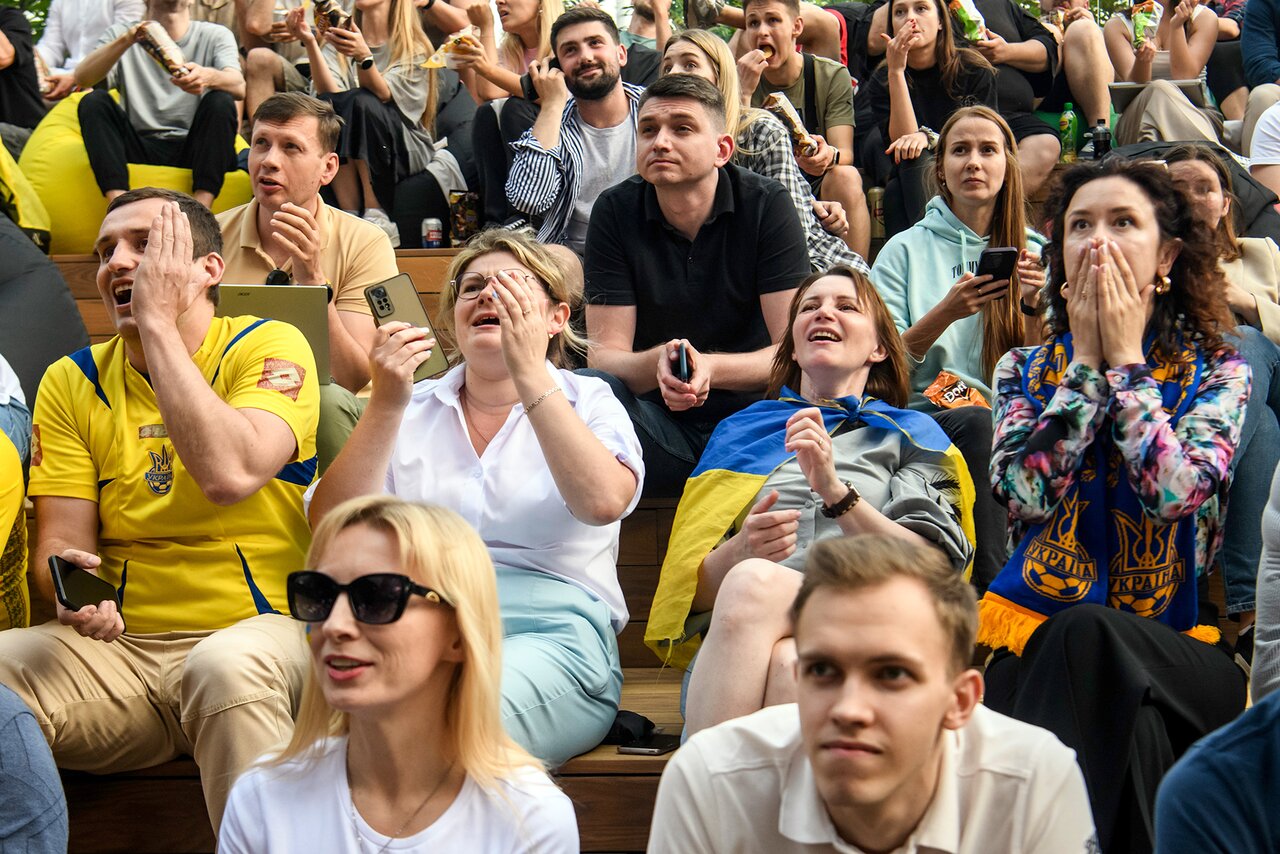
377, 599
278, 277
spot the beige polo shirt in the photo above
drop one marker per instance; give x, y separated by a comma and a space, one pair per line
747, 785
355, 253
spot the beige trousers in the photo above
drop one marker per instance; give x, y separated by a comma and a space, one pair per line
1162, 112
223, 697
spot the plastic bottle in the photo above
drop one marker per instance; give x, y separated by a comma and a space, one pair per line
1067, 125
1101, 140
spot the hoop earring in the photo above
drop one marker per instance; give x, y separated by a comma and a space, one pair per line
1163, 287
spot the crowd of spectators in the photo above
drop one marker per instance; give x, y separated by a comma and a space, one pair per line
919, 393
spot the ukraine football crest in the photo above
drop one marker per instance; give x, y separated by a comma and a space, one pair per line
160, 476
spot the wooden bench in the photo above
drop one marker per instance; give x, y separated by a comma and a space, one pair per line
161, 809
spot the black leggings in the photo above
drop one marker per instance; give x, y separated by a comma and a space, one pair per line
491, 138
969, 428
112, 142
372, 131
1129, 695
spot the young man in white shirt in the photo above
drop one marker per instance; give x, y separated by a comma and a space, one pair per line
887, 749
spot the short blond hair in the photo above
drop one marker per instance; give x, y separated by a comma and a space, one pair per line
849, 564
568, 343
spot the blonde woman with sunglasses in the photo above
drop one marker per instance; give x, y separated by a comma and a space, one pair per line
543, 463
398, 745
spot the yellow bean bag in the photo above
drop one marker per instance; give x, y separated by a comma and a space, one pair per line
57, 165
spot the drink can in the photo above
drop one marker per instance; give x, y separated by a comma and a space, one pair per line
875, 203
432, 233
464, 215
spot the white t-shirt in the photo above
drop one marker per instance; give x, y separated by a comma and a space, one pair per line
608, 158
509, 496
305, 805
747, 785
1265, 149
10, 388
72, 28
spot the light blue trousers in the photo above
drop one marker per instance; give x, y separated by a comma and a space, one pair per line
33, 809
561, 676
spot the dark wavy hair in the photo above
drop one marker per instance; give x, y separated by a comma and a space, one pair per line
1195, 308
888, 380
950, 54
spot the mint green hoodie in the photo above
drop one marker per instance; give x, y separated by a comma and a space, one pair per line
914, 271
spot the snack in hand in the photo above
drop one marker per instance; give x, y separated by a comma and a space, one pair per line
164, 50
1147, 7
767, 50
950, 392
443, 57
972, 24
329, 13
778, 104
1142, 21
1059, 19
42, 74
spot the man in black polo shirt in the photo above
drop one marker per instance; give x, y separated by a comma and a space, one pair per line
690, 251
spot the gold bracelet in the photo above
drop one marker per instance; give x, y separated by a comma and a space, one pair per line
541, 398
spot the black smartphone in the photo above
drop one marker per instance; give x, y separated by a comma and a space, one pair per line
76, 588
527, 88
397, 299
682, 371
998, 263
654, 744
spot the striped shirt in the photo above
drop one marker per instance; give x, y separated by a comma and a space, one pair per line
546, 182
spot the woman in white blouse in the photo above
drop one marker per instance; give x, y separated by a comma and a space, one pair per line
543, 463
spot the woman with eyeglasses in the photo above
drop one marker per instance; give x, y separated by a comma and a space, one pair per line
398, 744
543, 463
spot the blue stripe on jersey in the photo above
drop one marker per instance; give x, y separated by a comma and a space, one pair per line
232, 343
124, 579
300, 473
84, 361
102, 484
259, 601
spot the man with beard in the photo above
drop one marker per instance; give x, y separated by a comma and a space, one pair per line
580, 146
186, 119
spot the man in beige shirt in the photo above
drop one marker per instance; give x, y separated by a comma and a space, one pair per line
288, 235
886, 749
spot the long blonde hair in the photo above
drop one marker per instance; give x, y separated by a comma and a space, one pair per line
1001, 319
410, 47
513, 47
440, 550
737, 117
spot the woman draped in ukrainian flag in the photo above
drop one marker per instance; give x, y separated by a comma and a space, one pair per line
1113, 449
829, 454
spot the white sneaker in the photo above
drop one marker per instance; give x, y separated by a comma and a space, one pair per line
379, 217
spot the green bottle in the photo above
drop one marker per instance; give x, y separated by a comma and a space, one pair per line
1067, 127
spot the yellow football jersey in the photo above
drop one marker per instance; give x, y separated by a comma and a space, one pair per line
14, 610
179, 561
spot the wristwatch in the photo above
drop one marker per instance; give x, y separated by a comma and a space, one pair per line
844, 505
366, 63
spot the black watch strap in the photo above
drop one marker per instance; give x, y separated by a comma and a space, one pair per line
1029, 311
844, 505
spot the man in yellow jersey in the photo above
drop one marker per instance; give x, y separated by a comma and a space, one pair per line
170, 461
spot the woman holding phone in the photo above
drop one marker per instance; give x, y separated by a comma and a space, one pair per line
1113, 452
829, 453
953, 320
542, 462
398, 743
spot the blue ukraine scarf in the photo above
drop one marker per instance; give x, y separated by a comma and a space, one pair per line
1098, 546
745, 449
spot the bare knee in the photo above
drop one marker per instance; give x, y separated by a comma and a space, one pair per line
755, 594
781, 684
841, 181
262, 62
1037, 154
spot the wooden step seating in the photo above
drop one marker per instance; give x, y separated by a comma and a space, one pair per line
161, 809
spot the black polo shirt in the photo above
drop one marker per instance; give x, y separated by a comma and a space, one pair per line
706, 290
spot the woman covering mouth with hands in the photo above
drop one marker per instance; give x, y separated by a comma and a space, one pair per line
543, 463
830, 453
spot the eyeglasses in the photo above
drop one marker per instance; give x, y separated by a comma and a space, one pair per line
469, 286
377, 599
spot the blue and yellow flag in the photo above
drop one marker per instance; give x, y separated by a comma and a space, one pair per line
745, 449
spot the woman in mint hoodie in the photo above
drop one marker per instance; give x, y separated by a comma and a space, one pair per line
952, 320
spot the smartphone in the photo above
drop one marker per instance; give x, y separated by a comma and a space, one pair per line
682, 371
397, 299
76, 588
527, 88
655, 744
998, 263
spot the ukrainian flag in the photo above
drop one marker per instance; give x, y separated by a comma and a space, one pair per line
743, 452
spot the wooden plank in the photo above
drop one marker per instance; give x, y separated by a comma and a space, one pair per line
614, 813
137, 813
